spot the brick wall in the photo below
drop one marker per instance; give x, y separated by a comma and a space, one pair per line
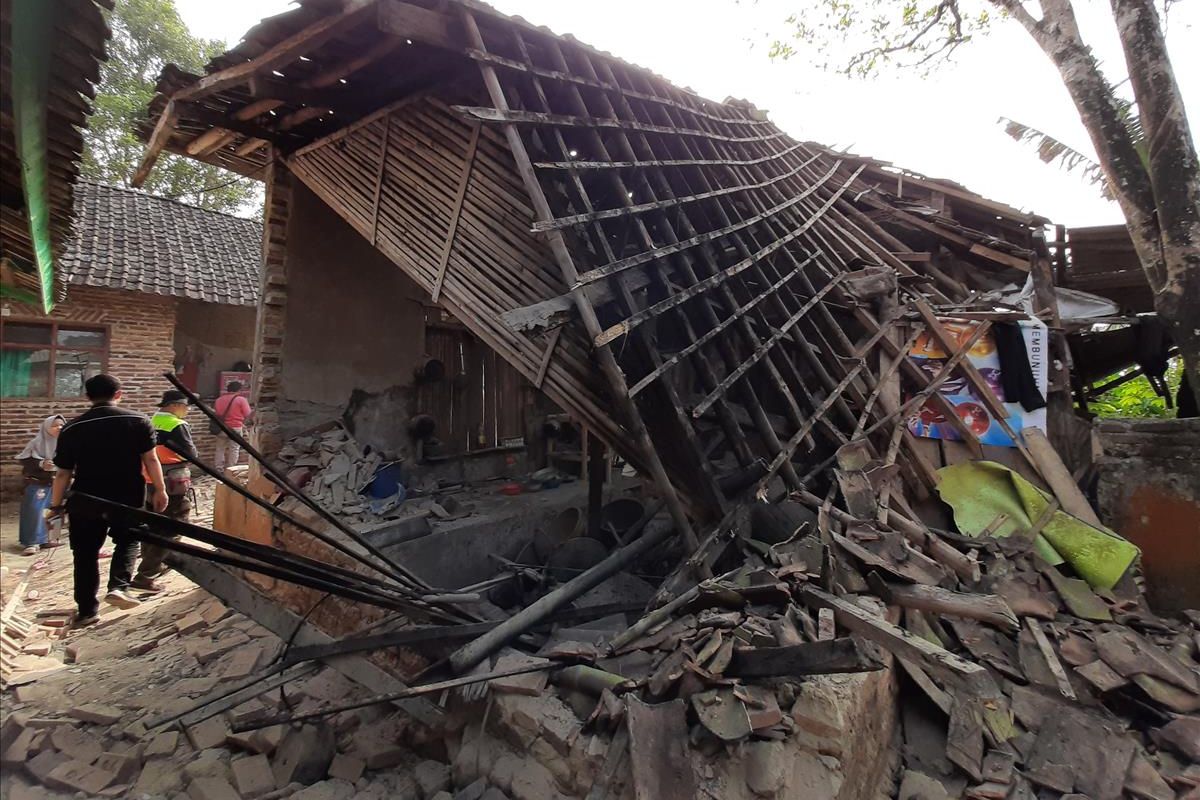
141, 329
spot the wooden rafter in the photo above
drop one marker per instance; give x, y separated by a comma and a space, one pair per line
283, 52
154, 147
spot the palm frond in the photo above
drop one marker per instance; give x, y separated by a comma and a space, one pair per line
1050, 150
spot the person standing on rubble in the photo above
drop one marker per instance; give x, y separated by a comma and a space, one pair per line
174, 446
37, 467
102, 452
234, 410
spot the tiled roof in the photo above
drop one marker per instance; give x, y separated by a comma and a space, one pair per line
126, 239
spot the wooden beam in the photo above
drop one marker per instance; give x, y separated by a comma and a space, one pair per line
193, 112
936, 660
249, 146
715, 331
460, 195
762, 348
379, 171
1056, 667
419, 24
988, 608
1000, 257
281, 53
638, 436
847, 654
547, 354
264, 88
521, 117
158, 140
1059, 478
301, 116
209, 140
322, 80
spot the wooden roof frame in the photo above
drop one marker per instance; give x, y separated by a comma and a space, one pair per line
746, 244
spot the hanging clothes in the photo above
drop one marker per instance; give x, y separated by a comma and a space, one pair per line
1016, 374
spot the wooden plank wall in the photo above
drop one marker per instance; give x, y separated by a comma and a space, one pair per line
480, 403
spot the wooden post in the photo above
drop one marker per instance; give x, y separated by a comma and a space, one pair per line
595, 478
566, 263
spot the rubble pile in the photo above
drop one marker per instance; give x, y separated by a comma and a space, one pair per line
335, 470
1018, 678
116, 731
1025, 681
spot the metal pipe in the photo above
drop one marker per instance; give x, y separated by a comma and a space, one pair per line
471, 654
325, 575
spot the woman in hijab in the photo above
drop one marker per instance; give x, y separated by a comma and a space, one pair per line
37, 464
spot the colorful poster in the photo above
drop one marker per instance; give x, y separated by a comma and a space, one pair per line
928, 354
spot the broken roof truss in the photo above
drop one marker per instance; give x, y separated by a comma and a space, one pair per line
746, 309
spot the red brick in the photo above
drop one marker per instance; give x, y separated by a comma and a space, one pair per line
211, 789
125, 766
253, 776
209, 733
348, 768
80, 745
45, 762
77, 776
97, 713
163, 744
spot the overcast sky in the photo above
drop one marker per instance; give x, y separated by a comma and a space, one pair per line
942, 125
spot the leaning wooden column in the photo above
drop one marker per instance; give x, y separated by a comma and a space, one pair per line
595, 473
566, 263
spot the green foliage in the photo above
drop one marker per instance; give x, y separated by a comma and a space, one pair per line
881, 33
147, 35
1137, 398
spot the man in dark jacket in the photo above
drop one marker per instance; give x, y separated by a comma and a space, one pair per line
102, 452
174, 445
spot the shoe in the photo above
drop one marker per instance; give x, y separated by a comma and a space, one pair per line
84, 620
146, 585
32, 550
121, 599
52, 545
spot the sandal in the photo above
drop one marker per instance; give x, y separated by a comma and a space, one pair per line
105, 553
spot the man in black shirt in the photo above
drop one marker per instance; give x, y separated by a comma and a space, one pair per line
102, 452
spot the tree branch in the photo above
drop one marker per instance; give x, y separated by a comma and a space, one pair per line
1017, 11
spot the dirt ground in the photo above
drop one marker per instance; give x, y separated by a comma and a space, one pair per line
138, 661
94, 716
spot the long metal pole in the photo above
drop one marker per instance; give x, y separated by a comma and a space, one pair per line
400, 573
414, 691
286, 517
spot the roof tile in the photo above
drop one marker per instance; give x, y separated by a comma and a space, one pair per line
126, 239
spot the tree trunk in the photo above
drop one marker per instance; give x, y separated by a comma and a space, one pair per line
1160, 198
1174, 173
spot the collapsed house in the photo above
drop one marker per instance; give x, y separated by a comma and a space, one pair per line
832, 378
